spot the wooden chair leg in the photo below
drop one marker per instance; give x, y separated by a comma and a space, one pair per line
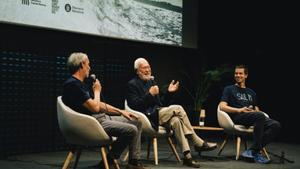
238, 145
116, 164
223, 145
77, 158
173, 149
148, 148
125, 158
68, 160
104, 158
155, 150
266, 153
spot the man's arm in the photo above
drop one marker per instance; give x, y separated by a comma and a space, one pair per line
92, 105
111, 110
257, 109
95, 104
224, 107
137, 98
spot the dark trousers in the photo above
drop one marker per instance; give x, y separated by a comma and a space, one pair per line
265, 129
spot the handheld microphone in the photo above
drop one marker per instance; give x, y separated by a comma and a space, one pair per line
93, 77
151, 77
153, 84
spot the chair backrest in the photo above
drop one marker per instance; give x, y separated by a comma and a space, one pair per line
147, 128
228, 125
79, 129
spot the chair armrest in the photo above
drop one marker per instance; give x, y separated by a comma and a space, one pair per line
147, 127
224, 120
265, 114
79, 128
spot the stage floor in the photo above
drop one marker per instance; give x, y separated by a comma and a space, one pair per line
90, 158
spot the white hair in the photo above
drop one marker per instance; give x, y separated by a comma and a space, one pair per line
138, 62
75, 60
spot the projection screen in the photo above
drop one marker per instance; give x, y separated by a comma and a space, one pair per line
158, 21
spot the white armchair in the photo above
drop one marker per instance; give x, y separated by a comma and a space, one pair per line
233, 129
81, 130
150, 132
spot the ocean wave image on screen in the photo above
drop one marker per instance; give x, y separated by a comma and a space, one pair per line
147, 20
158, 21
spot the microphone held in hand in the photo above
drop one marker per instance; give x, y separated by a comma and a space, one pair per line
151, 78
153, 83
93, 77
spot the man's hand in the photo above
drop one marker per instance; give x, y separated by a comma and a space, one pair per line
246, 110
128, 115
173, 87
154, 90
97, 86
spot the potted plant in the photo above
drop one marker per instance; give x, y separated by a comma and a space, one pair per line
198, 87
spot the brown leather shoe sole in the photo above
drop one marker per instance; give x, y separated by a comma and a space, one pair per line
205, 147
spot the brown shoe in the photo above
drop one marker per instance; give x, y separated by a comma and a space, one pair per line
191, 163
206, 147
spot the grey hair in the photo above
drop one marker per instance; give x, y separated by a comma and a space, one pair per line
138, 62
75, 60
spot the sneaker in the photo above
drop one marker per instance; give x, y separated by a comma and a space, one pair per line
206, 146
191, 163
259, 158
248, 154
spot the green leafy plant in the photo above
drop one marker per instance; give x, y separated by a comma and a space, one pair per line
200, 85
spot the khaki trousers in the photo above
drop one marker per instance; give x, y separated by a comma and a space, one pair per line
174, 117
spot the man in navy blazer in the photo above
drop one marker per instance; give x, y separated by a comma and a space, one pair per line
143, 95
